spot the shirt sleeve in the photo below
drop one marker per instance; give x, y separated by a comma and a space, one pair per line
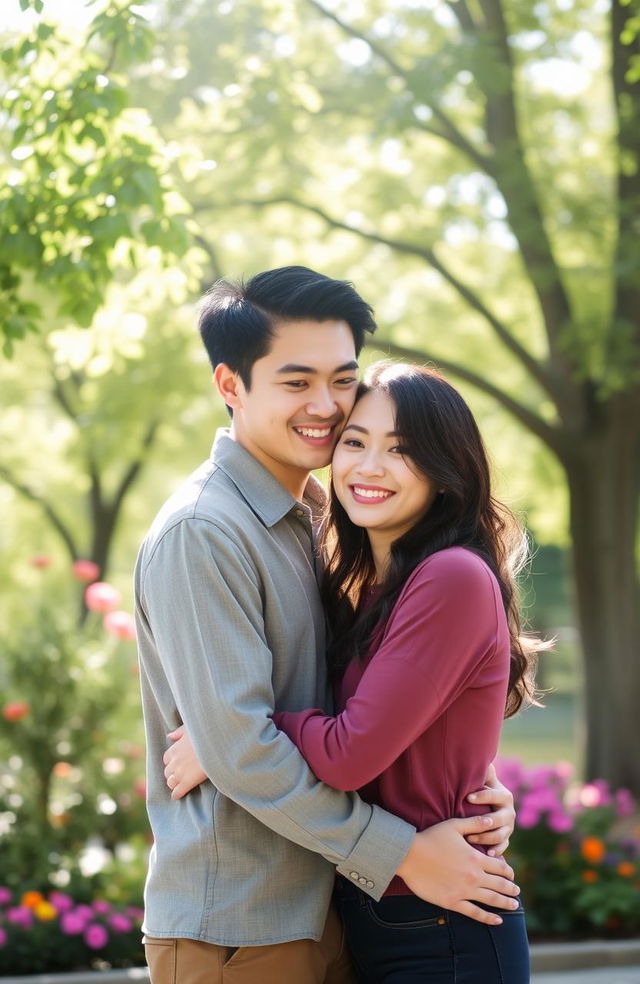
441, 630
202, 597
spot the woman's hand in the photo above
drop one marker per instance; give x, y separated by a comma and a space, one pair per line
500, 799
183, 771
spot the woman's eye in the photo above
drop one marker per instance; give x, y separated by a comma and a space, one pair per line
352, 442
399, 449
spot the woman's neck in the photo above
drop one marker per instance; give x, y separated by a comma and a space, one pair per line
381, 553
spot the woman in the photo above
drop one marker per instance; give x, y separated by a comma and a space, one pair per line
426, 657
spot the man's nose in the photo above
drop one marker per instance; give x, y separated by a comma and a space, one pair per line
322, 403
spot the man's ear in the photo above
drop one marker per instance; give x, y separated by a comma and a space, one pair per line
229, 385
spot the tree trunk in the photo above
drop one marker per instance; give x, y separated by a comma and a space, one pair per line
604, 485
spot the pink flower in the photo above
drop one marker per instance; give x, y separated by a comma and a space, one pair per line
60, 901
101, 906
559, 822
3, 936
135, 913
102, 597
96, 936
120, 923
20, 915
527, 817
16, 710
625, 804
85, 570
84, 912
72, 924
5, 895
40, 560
120, 624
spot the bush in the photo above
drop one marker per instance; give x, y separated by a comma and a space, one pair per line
575, 851
41, 933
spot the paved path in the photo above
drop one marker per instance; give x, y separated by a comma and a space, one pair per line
604, 975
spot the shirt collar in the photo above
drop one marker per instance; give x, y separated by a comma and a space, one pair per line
264, 493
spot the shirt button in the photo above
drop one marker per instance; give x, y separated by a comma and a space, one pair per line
370, 884
362, 881
299, 512
354, 875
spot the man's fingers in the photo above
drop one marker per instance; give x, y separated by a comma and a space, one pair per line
475, 912
491, 837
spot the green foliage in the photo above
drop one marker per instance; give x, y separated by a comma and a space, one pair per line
69, 737
576, 853
83, 170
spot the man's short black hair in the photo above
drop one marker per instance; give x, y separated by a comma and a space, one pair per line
238, 321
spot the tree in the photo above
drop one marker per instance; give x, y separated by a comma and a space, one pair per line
430, 134
92, 226
83, 171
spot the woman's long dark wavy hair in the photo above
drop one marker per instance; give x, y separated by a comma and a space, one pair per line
443, 442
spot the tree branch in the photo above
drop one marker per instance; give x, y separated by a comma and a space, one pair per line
546, 432
28, 493
133, 470
450, 132
533, 367
461, 12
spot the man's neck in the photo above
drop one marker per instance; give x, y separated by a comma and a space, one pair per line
294, 480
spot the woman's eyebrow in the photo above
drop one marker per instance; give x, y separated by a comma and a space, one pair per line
363, 430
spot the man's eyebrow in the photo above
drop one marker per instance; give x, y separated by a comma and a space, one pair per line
293, 367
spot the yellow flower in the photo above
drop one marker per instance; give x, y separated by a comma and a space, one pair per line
626, 869
44, 911
593, 850
32, 899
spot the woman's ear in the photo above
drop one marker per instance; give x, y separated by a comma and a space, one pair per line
229, 385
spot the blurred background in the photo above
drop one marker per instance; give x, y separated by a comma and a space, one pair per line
472, 167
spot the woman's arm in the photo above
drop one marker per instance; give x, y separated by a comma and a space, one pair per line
444, 625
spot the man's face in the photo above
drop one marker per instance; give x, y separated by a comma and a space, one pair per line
301, 393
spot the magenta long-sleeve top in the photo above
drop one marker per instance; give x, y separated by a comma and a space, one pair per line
419, 718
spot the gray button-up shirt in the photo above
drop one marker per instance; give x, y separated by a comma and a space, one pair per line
230, 627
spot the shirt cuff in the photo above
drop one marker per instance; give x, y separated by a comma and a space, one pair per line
380, 850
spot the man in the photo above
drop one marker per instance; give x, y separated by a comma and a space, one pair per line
230, 626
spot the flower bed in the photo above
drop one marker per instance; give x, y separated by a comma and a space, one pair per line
576, 853
44, 933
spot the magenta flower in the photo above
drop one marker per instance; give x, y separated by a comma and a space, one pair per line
20, 915
5, 895
101, 906
84, 912
72, 924
60, 901
3, 936
85, 570
120, 624
560, 822
625, 804
102, 597
119, 923
527, 817
96, 936
135, 913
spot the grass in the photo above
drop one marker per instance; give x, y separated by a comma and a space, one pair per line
545, 734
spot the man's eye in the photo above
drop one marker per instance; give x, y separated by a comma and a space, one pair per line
346, 381
296, 383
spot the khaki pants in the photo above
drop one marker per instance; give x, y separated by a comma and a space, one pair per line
182, 961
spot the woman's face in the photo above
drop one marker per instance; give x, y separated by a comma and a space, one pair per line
380, 489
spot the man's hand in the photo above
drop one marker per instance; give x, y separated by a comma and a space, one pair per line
183, 771
500, 799
443, 869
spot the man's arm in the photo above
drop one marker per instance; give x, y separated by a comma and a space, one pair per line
205, 606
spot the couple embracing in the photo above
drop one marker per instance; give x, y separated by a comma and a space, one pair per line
324, 677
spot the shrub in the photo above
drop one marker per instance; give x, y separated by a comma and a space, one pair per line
575, 851
43, 933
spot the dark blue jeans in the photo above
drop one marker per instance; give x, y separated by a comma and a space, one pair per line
403, 940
